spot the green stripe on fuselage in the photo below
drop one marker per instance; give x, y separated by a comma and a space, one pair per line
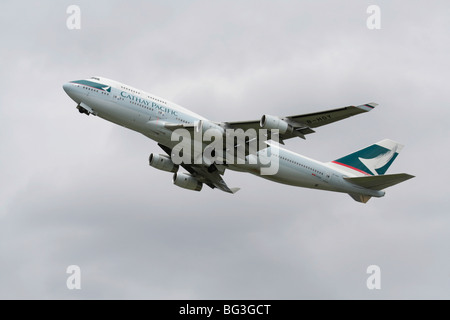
95, 85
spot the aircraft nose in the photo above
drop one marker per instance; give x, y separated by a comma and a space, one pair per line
66, 87
71, 91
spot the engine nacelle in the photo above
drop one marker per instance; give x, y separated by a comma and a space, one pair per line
205, 125
186, 181
273, 123
162, 162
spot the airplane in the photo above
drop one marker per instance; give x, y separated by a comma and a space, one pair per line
361, 174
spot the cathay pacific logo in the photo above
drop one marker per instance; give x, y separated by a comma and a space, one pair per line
373, 160
107, 88
377, 163
148, 103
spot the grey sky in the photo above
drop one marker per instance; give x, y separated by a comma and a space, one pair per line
78, 190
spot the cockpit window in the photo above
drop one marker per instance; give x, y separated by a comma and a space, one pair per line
95, 78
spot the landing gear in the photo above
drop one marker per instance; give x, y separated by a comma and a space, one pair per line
212, 168
82, 110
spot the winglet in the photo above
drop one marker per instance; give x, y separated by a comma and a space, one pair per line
368, 106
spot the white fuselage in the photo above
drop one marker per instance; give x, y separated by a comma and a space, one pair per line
147, 114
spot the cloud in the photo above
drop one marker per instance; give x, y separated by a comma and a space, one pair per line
78, 190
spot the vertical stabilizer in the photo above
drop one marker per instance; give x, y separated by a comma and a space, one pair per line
373, 160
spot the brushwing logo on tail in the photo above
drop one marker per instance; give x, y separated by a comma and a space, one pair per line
377, 163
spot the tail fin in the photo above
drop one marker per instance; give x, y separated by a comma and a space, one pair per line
373, 160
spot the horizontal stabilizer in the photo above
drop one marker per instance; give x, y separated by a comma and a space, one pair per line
380, 182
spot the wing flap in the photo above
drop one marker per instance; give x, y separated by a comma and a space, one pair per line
212, 179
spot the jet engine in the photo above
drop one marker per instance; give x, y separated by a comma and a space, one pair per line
204, 125
273, 123
186, 181
162, 162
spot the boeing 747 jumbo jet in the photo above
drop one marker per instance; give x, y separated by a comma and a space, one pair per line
360, 174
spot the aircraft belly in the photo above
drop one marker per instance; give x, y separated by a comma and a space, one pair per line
287, 175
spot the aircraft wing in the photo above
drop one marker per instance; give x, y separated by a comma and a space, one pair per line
303, 124
204, 174
212, 179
